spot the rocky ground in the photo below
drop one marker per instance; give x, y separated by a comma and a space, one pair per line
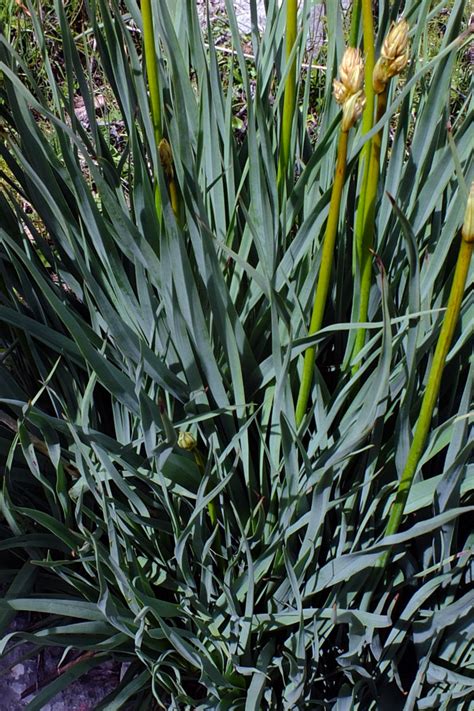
242, 12
23, 677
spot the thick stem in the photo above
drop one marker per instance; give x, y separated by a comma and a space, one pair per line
368, 115
153, 84
422, 428
289, 98
369, 53
367, 227
367, 124
355, 23
324, 276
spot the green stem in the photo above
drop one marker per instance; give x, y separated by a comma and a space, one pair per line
367, 123
369, 53
289, 98
450, 320
366, 235
153, 84
355, 23
324, 276
368, 115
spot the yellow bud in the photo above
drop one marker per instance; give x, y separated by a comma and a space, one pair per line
393, 57
351, 70
339, 91
380, 75
396, 42
352, 110
468, 224
399, 64
187, 441
166, 158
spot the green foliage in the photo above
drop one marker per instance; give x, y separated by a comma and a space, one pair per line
119, 330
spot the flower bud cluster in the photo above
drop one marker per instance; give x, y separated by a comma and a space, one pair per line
347, 90
393, 57
186, 440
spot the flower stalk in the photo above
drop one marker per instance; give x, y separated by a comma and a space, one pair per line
187, 441
153, 85
365, 10
368, 116
355, 23
393, 59
289, 97
430, 397
349, 93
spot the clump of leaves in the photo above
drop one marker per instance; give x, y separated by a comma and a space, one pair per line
160, 505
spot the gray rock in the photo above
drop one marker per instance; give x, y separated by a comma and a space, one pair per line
244, 20
20, 675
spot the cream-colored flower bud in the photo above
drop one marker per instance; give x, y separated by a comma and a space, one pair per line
399, 64
166, 158
396, 42
351, 70
380, 75
339, 91
187, 441
352, 110
468, 224
394, 56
